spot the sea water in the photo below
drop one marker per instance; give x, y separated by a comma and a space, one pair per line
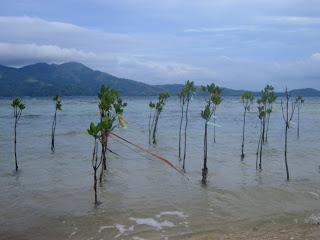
141, 197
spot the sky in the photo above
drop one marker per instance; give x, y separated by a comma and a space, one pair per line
240, 44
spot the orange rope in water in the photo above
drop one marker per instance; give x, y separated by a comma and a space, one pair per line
166, 161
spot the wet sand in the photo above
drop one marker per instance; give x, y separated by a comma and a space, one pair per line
279, 232
289, 232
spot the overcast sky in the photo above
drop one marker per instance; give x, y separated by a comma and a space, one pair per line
234, 43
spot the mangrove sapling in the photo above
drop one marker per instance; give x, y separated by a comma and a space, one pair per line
189, 92
152, 106
261, 115
58, 105
299, 103
263, 110
17, 106
96, 161
110, 106
271, 98
182, 98
214, 98
247, 100
287, 117
158, 109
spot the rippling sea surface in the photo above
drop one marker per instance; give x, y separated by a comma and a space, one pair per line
142, 198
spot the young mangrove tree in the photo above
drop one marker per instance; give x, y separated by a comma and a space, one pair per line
94, 131
156, 114
58, 105
17, 106
185, 96
299, 103
213, 100
287, 117
247, 100
111, 106
271, 98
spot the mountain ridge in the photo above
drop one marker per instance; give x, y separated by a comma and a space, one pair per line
76, 79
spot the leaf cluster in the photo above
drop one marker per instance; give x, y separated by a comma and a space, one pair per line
267, 98
58, 103
247, 100
17, 104
213, 101
187, 92
160, 103
111, 106
299, 101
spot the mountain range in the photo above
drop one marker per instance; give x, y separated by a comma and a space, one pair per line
76, 79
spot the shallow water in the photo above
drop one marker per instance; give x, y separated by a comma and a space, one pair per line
142, 197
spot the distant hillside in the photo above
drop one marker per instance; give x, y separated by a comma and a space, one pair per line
75, 79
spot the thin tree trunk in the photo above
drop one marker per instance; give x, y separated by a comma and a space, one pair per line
261, 143
243, 130
53, 129
267, 127
185, 138
180, 130
95, 167
95, 187
285, 150
263, 129
15, 141
205, 153
214, 128
298, 123
104, 146
286, 139
149, 127
155, 128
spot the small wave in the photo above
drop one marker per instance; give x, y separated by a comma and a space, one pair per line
72, 133
313, 219
104, 227
122, 229
172, 213
152, 222
316, 195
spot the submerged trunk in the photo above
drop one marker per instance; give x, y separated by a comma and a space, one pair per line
15, 142
259, 143
53, 130
95, 166
185, 138
286, 138
214, 128
205, 153
285, 151
264, 130
104, 146
149, 128
267, 130
243, 130
298, 136
95, 187
180, 130
154, 141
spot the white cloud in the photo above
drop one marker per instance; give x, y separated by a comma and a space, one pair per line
28, 53
221, 29
160, 57
36, 30
294, 20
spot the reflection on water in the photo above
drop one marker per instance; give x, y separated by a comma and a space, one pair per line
143, 198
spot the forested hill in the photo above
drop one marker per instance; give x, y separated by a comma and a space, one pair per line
76, 79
